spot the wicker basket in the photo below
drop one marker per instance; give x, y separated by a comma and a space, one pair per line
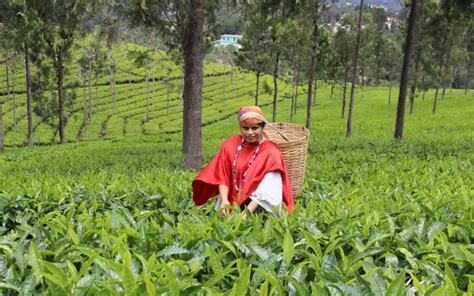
292, 139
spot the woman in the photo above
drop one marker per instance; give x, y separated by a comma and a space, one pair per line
248, 170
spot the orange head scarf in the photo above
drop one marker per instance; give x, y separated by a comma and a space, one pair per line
250, 115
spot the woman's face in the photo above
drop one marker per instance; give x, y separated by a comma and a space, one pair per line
252, 134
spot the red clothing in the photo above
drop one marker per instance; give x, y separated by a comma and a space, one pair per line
219, 172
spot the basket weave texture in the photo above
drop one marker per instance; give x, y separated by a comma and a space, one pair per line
294, 150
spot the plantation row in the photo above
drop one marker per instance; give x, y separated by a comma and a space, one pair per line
376, 217
136, 108
160, 66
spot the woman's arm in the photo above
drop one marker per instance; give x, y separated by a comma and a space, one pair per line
224, 193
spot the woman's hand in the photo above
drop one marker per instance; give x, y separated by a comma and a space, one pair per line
252, 207
225, 204
225, 207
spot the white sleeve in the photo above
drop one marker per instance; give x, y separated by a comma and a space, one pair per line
269, 193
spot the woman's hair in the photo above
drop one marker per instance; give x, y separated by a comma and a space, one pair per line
250, 115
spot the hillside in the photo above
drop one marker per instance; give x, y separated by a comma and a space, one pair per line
134, 112
111, 211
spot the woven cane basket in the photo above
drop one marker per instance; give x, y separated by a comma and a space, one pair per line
294, 149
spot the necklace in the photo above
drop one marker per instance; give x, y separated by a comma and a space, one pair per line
249, 164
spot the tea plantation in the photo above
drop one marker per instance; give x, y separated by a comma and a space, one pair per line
110, 213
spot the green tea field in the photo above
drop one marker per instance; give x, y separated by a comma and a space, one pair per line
111, 213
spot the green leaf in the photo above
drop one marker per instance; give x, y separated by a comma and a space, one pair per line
241, 285
409, 257
57, 273
34, 260
263, 291
377, 281
73, 235
218, 276
8, 286
319, 289
273, 279
367, 253
397, 287
128, 278
288, 247
449, 277
150, 287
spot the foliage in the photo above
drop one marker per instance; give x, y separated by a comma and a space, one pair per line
375, 216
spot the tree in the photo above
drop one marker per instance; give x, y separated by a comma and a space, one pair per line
1, 127
391, 63
109, 30
19, 22
84, 74
311, 11
142, 59
468, 50
181, 25
354, 73
295, 52
404, 75
59, 22
343, 45
377, 42
254, 54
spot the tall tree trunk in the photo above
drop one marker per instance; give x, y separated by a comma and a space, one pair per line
224, 92
412, 96
423, 87
193, 53
354, 73
60, 82
293, 89
312, 69
310, 93
296, 95
12, 68
147, 96
97, 102
404, 76
257, 74
232, 81
89, 73
390, 90
84, 105
275, 87
435, 101
29, 113
444, 92
344, 91
315, 87
451, 83
112, 83
167, 94
332, 90
377, 71
153, 88
468, 74
2, 134
415, 78
7, 74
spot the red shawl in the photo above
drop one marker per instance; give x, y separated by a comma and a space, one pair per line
219, 172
